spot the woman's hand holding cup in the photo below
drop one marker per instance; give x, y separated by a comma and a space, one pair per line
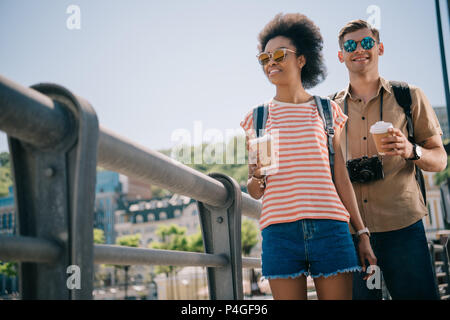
256, 169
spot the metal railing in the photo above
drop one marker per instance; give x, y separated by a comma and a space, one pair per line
55, 144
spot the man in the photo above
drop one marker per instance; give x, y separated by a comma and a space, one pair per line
391, 207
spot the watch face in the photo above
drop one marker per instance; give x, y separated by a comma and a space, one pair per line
418, 151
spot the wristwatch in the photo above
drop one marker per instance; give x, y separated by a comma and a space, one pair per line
365, 230
417, 151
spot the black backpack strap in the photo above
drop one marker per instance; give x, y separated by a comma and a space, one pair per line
260, 114
326, 113
403, 96
333, 96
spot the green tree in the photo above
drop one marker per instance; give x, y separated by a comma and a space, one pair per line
195, 242
237, 169
8, 269
132, 240
4, 159
442, 176
99, 274
249, 236
171, 237
5, 174
159, 192
128, 241
99, 236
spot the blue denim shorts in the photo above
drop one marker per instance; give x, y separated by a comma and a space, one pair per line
315, 247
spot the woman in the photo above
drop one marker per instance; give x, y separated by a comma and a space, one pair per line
305, 215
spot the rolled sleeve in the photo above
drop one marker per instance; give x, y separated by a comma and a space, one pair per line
339, 118
247, 124
425, 121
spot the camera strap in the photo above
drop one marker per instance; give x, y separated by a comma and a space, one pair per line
346, 124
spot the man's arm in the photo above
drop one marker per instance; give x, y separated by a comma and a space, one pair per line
433, 159
347, 194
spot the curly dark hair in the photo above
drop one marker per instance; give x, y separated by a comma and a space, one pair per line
306, 38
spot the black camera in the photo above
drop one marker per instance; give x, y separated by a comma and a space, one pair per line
365, 169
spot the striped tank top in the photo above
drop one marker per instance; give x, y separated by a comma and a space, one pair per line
302, 187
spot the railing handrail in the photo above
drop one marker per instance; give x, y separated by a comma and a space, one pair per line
31, 249
54, 212
115, 153
118, 154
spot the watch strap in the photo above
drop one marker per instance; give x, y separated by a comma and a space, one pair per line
415, 155
365, 230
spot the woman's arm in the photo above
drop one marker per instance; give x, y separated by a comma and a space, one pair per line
345, 189
253, 187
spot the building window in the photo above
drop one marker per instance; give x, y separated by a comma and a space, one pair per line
430, 213
10, 220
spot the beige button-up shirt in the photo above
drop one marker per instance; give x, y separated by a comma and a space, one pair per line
394, 202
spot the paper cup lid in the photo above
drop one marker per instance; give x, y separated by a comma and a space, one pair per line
262, 139
380, 127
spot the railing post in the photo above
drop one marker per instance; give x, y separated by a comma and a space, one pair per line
221, 229
54, 197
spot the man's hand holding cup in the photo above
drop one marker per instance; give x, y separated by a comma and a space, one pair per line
390, 141
397, 144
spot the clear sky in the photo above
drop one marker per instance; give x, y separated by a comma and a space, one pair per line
150, 68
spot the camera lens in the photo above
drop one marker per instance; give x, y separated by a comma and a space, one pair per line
366, 175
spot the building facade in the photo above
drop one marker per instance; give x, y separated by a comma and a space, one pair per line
145, 216
441, 113
7, 217
111, 191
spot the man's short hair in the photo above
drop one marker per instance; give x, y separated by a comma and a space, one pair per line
356, 25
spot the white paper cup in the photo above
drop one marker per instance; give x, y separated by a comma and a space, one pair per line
379, 131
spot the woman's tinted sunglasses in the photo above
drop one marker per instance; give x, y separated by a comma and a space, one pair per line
367, 43
278, 55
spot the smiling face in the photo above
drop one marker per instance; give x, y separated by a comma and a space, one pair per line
287, 71
361, 61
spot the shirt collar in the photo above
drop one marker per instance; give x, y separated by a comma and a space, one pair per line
382, 83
